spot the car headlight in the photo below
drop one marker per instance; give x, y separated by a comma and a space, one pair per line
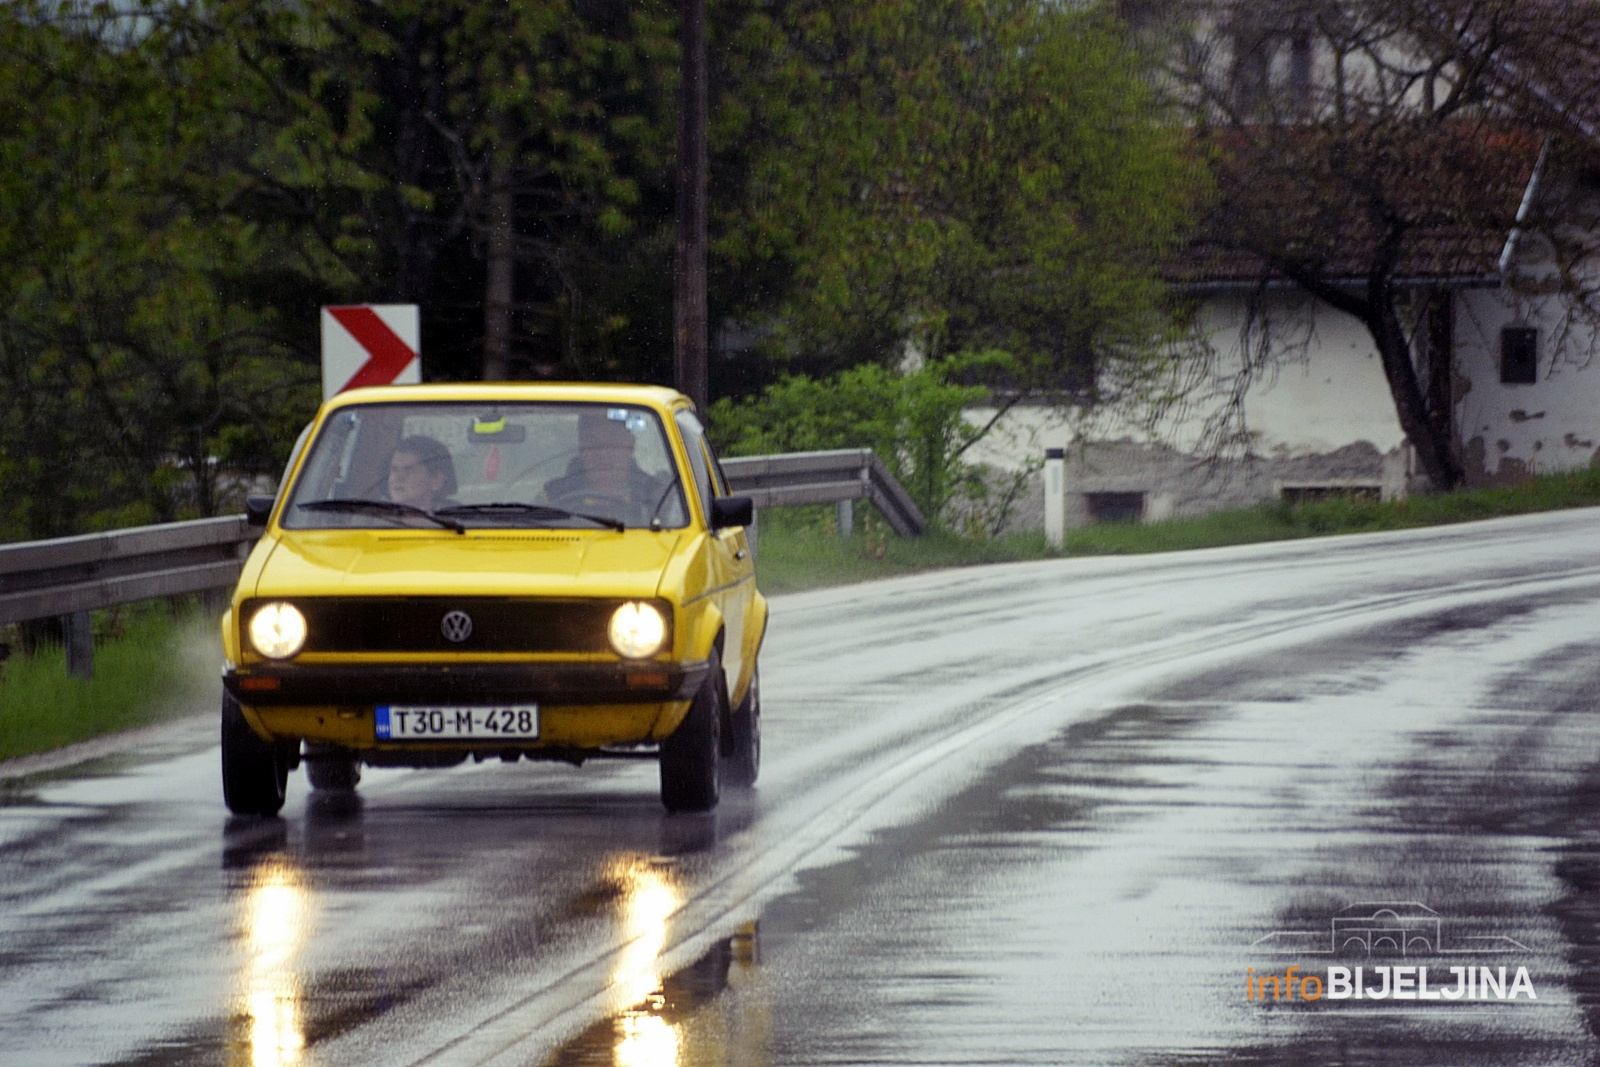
637, 630
278, 630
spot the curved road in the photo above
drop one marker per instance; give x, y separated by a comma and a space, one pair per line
1042, 813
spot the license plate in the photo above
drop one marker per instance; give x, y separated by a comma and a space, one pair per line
398, 722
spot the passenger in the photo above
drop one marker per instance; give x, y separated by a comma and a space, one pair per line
421, 474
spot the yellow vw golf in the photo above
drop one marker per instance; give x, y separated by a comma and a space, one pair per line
496, 571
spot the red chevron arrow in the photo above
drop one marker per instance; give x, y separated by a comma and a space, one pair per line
388, 355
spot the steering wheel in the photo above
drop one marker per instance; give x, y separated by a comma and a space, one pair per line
611, 504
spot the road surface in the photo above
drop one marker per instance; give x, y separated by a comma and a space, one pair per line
1061, 812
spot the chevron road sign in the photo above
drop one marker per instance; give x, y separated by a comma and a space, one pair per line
370, 344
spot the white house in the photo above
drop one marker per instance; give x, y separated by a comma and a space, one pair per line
1295, 403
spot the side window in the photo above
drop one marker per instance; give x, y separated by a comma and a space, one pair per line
717, 475
719, 484
694, 441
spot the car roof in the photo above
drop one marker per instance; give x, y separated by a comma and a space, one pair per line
595, 392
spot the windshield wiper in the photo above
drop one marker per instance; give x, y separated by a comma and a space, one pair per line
655, 512
546, 510
388, 507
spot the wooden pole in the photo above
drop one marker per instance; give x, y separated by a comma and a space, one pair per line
689, 275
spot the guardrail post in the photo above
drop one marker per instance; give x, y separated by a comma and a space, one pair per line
79, 638
844, 516
1055, 496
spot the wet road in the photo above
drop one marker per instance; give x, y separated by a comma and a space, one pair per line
1044, 813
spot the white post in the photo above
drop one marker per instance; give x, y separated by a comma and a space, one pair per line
1055, 497
844, 514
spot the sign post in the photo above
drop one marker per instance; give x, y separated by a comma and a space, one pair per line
370, 344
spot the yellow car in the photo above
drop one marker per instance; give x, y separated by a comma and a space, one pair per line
496, 571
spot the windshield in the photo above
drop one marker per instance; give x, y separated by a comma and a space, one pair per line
461, 465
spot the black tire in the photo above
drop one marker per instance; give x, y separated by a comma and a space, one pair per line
743, 762
691, 759
332, 769
255, 773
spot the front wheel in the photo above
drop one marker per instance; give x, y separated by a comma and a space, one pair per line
255, 773
691, 759
743, 761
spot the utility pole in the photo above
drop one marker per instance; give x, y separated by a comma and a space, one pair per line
689, 262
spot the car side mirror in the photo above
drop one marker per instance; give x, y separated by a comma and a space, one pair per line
257, 510
732, 511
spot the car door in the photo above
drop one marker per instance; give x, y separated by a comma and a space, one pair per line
731, 569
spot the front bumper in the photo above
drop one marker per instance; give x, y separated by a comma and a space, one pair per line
300, 685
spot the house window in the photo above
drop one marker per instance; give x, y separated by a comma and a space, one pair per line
1519, 355
1115, 507
1300, 57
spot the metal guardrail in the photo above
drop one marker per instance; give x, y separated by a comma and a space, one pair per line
39, 579
69, 576
823, 478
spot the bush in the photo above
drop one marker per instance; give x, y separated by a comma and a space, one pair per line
912, 421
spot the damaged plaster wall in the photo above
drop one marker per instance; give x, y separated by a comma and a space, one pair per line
1510, 431
1317, 417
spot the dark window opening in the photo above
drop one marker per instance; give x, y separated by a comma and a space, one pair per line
1252, 70
1115, 507
1519, 355
1300, 62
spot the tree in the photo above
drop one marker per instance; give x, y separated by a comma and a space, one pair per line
501, 137
939, 176
125, 342
1359, 144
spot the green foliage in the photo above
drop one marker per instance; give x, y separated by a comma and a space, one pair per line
125, 342
423, 130
914, 421
962, 175
183, 182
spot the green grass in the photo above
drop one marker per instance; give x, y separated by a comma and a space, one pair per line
153, 665
798, 551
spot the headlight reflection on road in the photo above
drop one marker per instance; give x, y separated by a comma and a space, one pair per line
275, 926
644, 1038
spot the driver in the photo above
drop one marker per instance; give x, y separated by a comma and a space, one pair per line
603, 477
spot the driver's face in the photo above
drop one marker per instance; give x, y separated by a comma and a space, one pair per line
411, 482
607, 449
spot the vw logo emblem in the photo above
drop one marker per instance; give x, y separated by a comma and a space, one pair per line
456, 626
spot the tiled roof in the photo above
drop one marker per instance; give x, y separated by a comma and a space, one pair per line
1547, 51
1458, 191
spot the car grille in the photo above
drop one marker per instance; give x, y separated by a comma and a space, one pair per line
417, 624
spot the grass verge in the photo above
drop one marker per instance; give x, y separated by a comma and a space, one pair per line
151, 663
798, 550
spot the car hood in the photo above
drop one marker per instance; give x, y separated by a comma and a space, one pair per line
478, 563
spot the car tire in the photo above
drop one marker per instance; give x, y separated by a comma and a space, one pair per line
743, 762
255, 773
691, 759
332, 769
